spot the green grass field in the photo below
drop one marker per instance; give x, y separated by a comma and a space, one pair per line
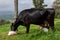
34, 34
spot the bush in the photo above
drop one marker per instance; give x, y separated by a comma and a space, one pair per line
57, 15
2, 21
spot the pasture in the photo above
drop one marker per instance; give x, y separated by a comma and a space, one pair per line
34, 34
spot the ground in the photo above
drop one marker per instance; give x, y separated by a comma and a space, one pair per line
34, 34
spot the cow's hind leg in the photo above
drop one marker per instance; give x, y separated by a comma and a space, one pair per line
51, 24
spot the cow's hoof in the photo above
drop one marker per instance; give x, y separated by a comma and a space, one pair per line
45, 29
12, 33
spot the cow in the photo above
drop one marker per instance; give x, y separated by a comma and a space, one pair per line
34, 16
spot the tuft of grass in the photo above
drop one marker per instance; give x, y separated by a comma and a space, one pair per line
34, 34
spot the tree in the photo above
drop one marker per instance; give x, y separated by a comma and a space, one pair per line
56, 6
15, 9
38, 3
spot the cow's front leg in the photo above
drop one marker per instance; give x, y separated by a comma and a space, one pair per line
27, 27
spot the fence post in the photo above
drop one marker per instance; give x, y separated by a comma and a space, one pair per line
15, 9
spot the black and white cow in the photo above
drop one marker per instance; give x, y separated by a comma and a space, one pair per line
33, 16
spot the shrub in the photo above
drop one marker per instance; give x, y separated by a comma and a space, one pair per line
2, 21
57, 15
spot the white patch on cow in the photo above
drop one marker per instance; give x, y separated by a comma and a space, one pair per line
41, 27
12, 33
45, 29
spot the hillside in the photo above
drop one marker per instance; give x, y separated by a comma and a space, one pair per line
34, 34
6, 15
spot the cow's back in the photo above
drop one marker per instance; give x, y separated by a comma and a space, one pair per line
35, 16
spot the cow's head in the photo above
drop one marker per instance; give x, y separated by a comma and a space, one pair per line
14, 27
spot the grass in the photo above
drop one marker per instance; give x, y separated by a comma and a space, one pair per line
34, 34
